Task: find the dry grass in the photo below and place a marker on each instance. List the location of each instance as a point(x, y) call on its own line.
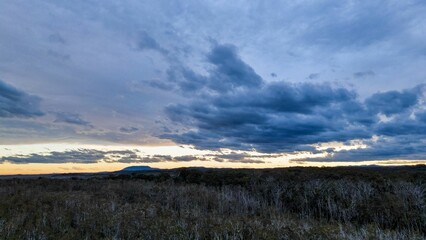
point(242, 205)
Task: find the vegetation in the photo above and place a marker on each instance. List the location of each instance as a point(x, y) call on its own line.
point(290, 203)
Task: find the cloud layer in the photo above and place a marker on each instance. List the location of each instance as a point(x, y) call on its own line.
point(273, 77)
point(251, 113)
point(88, 156)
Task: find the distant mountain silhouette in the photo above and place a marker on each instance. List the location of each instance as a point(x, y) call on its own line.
point(139, 168)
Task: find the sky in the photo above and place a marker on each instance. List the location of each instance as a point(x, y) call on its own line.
point(98, 85)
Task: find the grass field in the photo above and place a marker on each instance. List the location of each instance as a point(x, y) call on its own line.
point(289, 203)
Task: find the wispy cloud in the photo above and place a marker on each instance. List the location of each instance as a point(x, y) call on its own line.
point(71, 118)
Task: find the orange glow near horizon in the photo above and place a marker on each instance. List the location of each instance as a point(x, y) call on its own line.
point(52, 168)
point(283, 160)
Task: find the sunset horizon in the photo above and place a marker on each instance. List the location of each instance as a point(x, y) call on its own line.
point(212, 119)
point(94, 86)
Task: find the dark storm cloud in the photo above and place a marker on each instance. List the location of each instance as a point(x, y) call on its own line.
point(400, 148)
point(228, 73)
point(402, 126)
point(421, 116)
point(16, 103)
point(393, 102)
point(268, 117)
point(183, 79)
point(289, 97)
point(286, 117)
point(71, 118)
